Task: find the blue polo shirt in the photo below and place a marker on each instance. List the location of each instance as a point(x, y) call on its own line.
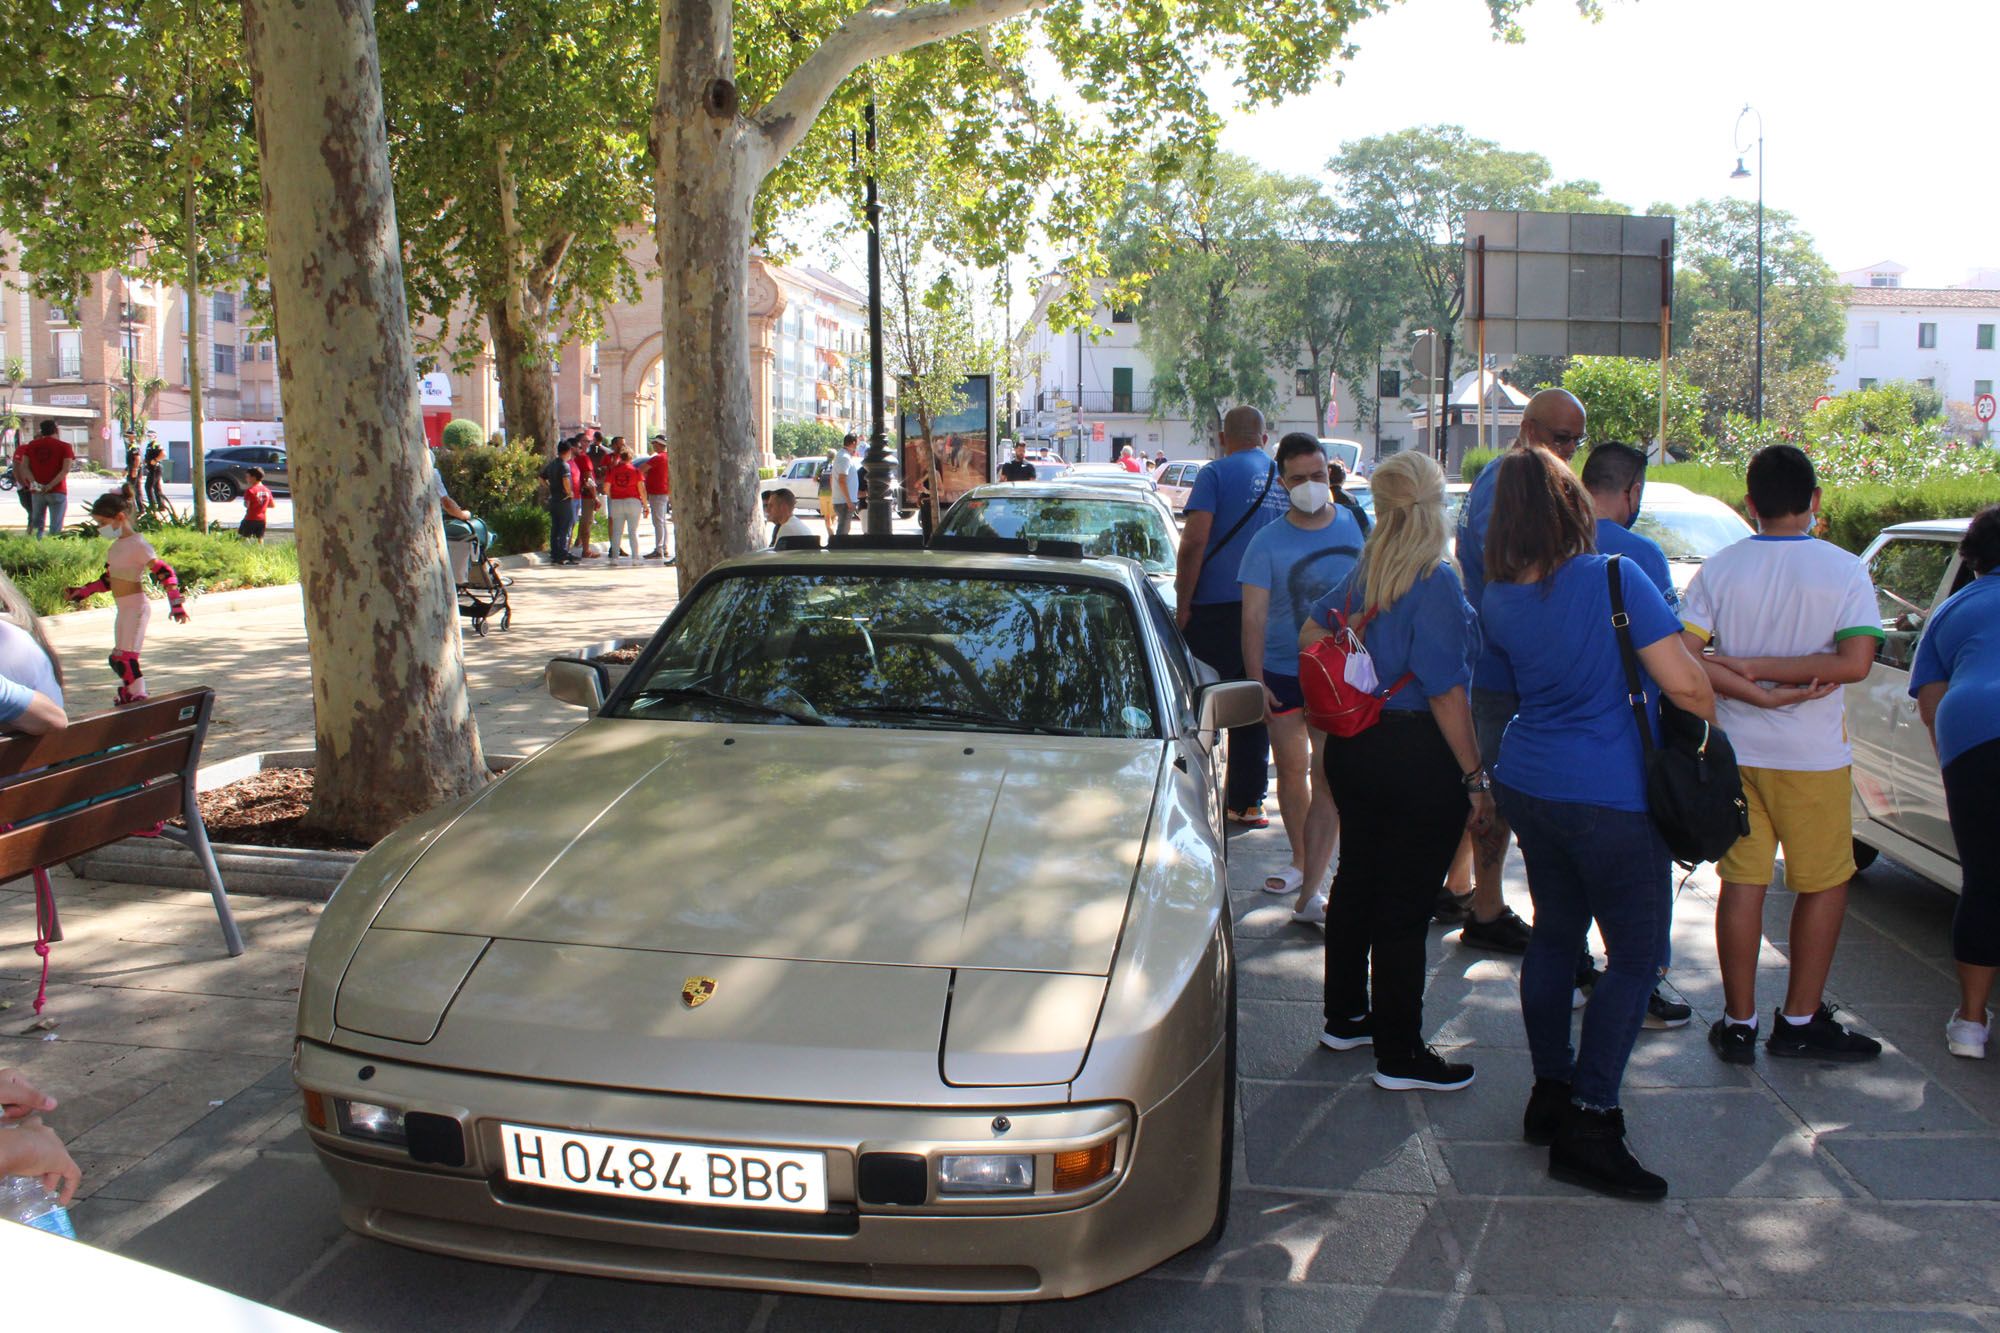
point(1430, 632)
point(1490, 672)
point(1961, 646)
point(1298, 566)
point(1228, 489)
point(1642, 551)
point(1574, 738)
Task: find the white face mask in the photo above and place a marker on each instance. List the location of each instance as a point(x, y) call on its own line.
point(107, 531)
point(1309, 497)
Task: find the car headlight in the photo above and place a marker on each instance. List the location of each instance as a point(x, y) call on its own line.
point(367, 1120)
point(986, 1173)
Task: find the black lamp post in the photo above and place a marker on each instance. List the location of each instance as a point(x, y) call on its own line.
point(1743, 173)
point(876, 465)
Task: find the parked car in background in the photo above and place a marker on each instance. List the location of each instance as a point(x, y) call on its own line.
point(1347, 453)
point(1690, 527)
point(592, 1018)
point(804, 477)
point(1898, 788)
point(1103, 520)
point(1175, 479)
point(1108, 474)
point(226, 471)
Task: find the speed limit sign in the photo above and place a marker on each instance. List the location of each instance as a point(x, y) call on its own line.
point(1983, 409)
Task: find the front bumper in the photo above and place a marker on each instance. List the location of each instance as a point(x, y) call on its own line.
point(1161, 1198)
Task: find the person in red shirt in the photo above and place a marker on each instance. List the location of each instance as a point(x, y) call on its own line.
point(625, 487)
point(659, 492)
point(1127, 461)
point(41, 469)
point(587, 493)
point(257, 500)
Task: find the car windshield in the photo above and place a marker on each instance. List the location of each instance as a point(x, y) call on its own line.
point(1690, 533)
point(900, 649)
point(1103, 527)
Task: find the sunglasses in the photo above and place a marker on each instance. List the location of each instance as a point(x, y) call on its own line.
point(1568, 439)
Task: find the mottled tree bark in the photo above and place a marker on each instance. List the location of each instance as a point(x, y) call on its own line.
point(527, 380)
point(391, 714)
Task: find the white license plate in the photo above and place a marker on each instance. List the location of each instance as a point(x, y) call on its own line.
point(664, 1172)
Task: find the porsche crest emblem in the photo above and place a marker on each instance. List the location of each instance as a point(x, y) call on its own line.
point(696, 990)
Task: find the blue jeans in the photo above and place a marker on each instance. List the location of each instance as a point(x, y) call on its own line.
point(1589, 861)
point(562, 517)
point(45, 510)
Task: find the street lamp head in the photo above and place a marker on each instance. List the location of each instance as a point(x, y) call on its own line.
point(1742, 173)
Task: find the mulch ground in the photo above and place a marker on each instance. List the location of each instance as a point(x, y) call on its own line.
point(268, 810)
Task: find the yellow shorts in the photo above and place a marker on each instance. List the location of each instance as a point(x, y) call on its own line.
point(1809, 815)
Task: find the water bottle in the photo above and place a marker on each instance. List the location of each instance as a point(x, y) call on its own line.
point(24, 1199)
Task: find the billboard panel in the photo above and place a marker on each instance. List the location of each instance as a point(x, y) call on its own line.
point(1568, 284)
point(961, 444)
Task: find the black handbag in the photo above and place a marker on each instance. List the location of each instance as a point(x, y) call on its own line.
point(1693, 789)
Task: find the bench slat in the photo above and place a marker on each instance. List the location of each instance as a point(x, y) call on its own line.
point(43, 792)
point(58, 839)
point(101, 731)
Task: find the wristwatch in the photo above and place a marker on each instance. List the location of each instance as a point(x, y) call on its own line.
point(1477, 781)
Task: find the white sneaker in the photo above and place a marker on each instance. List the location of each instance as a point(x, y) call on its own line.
point(1313, 913)
point(1965, 1038)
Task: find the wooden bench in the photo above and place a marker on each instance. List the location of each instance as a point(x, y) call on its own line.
point(102, 778)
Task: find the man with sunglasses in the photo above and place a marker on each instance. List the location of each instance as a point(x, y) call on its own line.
point(1553, 419)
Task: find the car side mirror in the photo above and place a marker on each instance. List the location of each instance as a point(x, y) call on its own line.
point(1231, 703)
point(571, 680)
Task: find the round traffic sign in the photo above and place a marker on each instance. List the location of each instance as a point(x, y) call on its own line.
point(1822, 401)
point(1983, 409)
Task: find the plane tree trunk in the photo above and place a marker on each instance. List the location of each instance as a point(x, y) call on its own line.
point(391, 714)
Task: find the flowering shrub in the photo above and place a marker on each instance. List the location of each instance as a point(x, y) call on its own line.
point(1844, 453)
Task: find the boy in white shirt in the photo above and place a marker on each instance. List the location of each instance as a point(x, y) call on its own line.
point(1790, 620)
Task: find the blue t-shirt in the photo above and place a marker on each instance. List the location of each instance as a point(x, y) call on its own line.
point(1573, 738)
point(1642, 551)
point(1430, 632)
point(24, 670)
point(1962, 645)
point(1227, 488)
point(1299, 567)
point(1490, 672)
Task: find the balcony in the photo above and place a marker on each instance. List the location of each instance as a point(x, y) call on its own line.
point(1103, 402)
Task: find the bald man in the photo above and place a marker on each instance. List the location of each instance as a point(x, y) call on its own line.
point(1555, 420)
point(1232, 499)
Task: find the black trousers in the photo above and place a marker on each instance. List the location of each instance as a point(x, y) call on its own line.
point(1969, 784)
point(1215, 634)
point(562, 517)
point(1402, 811)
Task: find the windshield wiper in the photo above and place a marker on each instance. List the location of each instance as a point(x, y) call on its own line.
point(972, 716)
point(717, 696)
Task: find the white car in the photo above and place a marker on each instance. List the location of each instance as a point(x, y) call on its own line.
point(1175, 479)
point(1689, 526)
point(1898, 788)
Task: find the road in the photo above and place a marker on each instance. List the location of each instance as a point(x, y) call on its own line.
point(87, 486)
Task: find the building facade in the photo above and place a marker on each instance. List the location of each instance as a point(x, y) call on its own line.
point(1089, 391)
point(1947, 338)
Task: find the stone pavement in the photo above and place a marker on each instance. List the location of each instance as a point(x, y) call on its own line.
point(1803, 1197)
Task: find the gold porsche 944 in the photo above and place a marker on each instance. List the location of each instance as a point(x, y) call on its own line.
point(871, 938)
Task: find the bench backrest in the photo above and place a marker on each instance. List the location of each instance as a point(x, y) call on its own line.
point(101, 778)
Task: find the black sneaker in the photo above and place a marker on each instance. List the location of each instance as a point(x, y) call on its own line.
point(1426, 1071)
point(1346, 1034)
point(1506, 933)
point(1589, 1151)
point(1821, 1038)
point(1543, 1117)
point(1662, 1013)
point(1736, 1043)
point(1451, 909)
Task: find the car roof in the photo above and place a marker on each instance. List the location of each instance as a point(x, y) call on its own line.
point(933, 561)
point(1931, 527)
point(1057, 489)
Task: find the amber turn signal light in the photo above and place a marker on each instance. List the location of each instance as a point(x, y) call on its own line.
point(315, 1110)
point(1086, 1166)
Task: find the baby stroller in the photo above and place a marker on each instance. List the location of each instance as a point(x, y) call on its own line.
point(482, 589)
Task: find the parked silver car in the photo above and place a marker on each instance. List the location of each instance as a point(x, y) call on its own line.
point(1898, 788)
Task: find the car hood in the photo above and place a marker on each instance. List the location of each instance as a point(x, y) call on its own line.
point(837, 845)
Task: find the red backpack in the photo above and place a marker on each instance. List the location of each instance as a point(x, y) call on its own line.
point(1334, 703)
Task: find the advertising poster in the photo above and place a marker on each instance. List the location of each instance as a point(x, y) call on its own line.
point(961, 444)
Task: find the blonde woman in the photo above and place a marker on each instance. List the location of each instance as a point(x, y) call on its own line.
point(31, 681)
point(1409, 786)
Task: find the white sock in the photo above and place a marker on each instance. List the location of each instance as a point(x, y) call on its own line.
point(1750, 1022)
point(1796, 1022)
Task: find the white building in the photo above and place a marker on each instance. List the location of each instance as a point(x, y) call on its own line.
point(1945, 337)
point(1096, 395)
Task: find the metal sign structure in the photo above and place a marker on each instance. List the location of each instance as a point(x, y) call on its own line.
point(1571, 284)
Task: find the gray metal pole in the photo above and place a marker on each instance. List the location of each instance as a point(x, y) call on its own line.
point(1760, 271)
point(877, 467)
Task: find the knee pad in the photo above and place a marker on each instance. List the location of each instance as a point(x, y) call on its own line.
point(125, 666)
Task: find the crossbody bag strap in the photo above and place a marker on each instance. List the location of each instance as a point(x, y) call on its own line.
point(1635, 689)
point(1255, 505)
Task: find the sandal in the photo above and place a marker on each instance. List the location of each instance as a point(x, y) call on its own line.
point(1249, 817)
point(1289, 880)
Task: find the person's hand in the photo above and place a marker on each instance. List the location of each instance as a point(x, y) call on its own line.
point(1479, 820)
point(1784, 696)
point(1182, 614)
point(1270, 701)
point(76, 594)
point(179, 615)
point(31, 1148)
point(19, 1097)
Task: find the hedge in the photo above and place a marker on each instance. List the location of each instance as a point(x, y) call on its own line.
point(460, 433)
point(1852, 514)
point(486, 480)
point(205, 562)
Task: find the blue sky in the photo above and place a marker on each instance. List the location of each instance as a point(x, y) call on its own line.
point(1879, 119)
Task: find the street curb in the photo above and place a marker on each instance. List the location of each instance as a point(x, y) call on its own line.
point(218, 603)
point(520, 560)
point(276, 872)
